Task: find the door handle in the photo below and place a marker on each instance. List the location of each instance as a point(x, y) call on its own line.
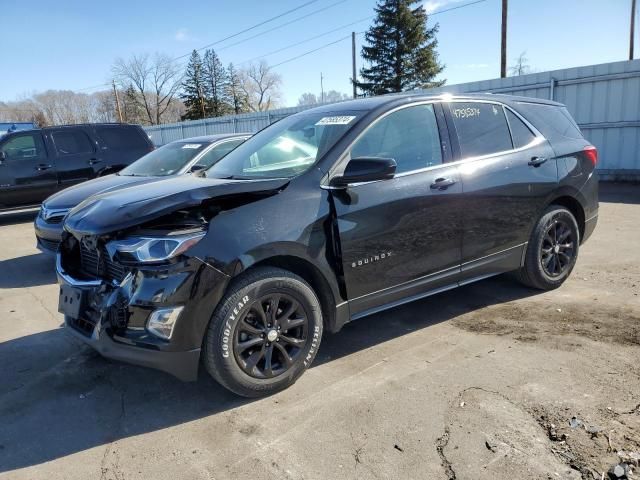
point(43, 167)
point(93, 161)
point(537, 161)
point(442, 183)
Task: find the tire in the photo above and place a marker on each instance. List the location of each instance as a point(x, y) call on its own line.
point(552, 250)
point(242, 332)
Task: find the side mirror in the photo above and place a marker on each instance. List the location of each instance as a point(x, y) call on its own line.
point(197, 168)
point(366, 169)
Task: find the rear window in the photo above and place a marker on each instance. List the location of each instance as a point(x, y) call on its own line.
point(119, 138)
point(520, 133)
point(72, 142)
point(481, 127)
point(552, 121)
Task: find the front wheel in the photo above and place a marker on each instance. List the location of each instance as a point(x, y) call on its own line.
point(552, 250)
point(264, 334)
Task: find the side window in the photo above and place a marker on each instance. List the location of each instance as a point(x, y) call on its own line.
point(71, 142)
point(27, 146)
point(409, 136)
point(481, 128)
point(217, 152)
point(122, 138)
point(520, 133)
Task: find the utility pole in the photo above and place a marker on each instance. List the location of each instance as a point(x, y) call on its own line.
point(353, 64)
point(115, 92)
point(632, 29)
point(321, 89)
point(503, 46)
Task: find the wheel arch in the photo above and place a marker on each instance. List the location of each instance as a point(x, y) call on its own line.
point(572, 204)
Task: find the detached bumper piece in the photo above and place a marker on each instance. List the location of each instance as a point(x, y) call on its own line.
point(109, 307)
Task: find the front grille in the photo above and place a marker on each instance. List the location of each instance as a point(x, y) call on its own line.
point(96, 263)
point(54, 220)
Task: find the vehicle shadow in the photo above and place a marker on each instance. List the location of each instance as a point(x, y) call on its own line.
point(27, 271)
point(61, 398)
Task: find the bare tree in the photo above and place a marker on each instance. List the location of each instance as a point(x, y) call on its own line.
point(234, 91)
point(331, 96)
point(156, 80)
point(307, 98)
point(521, 66)
point(261, 86)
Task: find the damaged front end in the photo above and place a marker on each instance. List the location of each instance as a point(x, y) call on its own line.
point(148, 312)
point(131, 283)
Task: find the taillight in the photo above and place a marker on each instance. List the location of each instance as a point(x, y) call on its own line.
point(591, 153)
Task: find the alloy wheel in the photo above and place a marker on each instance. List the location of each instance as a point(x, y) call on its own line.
point(271, 336)
point(558, 248)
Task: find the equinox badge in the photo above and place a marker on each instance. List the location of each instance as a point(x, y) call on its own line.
point(371, 259)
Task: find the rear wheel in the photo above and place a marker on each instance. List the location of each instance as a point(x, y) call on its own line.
point(552, 250)
point(264, 334)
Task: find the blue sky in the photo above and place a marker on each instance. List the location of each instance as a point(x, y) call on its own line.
point(71, 44)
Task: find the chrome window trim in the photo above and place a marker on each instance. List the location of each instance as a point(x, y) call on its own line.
point(539, 138)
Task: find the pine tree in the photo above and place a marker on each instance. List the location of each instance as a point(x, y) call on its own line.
point(217, 79)
point(132, 109)
point(193, 89)
point(400, 50)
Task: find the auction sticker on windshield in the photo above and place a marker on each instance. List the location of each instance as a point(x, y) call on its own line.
point(192, 145)
point(340, 120)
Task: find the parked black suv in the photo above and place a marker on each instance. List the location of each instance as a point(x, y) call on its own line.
point(176, 158)
point(327, 216)
point(36, 163)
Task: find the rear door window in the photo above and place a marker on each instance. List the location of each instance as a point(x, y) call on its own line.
point(409, 136)
point(72, 142)
point(520, 133)
point(122, 139)
point(481, 128)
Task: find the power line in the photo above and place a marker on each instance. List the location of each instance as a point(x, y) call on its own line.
point(250, 28)
point(343, 38)
point(283, 25)
point(311, 51)
point(456, 8)
point(306, 40)
point(293, 44)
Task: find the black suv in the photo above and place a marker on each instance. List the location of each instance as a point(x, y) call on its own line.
point(36, 163)
point(325, 217)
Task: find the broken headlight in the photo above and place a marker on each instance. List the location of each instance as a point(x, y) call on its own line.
point(154, 249)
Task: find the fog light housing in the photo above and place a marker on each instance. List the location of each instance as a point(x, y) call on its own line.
point(162, 321)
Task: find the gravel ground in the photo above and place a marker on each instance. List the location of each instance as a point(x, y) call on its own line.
point(477, 383)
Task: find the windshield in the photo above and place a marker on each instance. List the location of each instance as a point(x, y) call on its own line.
point(166, 160)
point(287, 148)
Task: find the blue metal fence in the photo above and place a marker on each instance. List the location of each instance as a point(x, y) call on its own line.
point(604, 99)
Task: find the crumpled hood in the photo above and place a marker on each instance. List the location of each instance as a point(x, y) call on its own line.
point(138, 204)
point(72, 196)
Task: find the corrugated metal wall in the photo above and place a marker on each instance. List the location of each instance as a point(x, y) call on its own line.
point(604, 99)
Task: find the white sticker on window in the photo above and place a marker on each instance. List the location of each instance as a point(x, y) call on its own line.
point(340, 120)
point(192, 145)
point(468, 112)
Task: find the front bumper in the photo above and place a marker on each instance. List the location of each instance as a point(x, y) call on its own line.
point(113, 317)
point(48, 235)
